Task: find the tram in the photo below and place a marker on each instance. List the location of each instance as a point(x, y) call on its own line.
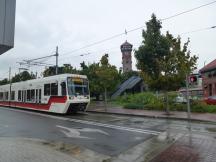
point(65, 93)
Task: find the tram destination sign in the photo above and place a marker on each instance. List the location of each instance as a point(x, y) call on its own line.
point(7, 24)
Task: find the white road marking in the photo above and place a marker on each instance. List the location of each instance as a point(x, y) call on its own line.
point(143, 131)
point(94, 130)
point(71, 133)
point(116, 127)
point(75, 133)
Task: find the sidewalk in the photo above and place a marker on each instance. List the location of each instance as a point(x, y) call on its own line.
point(100, 108)
point(30, 150)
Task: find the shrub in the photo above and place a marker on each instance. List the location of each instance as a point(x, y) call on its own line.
point(146, 100)
point(211, 108)
point(149, 101)
point(178, 107)
point(141, 98)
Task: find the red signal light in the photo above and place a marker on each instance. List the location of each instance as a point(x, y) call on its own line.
point(193, 79)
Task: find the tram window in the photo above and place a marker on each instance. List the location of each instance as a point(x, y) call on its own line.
point(6, 95)
point(54, 89)
point(32, 95)
point(12, 97)
point(28, 95)
point(19, 96)
point(46, 89)
point(1, 95)
point(63, 88)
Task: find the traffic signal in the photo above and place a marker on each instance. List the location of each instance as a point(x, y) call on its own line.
point(193, 79)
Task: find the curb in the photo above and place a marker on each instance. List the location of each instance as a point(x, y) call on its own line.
point(151, 116)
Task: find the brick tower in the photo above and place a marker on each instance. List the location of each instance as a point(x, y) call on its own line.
point(126, 49)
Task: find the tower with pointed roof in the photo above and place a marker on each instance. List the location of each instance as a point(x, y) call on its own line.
point(126, 49)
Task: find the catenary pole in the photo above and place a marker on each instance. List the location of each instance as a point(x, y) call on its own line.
point(57, 54)
point(9, 95)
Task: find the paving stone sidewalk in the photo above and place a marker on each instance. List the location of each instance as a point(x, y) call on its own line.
point(190, 148)
point(22, 150)
point(99, 107)
point(37, 150)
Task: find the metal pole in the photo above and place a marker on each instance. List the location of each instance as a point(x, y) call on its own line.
point(9, 95)
point(57, 60)
point(105, 99)
point(188, 99)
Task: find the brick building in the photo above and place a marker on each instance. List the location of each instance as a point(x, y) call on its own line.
point(126, 49)
point(208, 73)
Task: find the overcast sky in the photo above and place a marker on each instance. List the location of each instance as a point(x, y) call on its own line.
point(41, 25)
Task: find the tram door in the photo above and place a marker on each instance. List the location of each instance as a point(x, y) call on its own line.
point(38, 95)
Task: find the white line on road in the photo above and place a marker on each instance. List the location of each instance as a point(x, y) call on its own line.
point(75, 132)
point(136, 130)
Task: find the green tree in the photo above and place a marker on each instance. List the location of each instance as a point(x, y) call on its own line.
point(4, 81)
point(108, 75)
point(50, 71)
point(162, 60)
point(91, 72)
point(23, 76)
point(102, 76)
point(66, 68)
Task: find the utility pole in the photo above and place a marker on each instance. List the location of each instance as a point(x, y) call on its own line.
point(9, 74)
point(9, 95)
point(188, 99)
point(57, 54)
point(105, 99)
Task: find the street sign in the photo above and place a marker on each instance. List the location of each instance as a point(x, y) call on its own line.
point(7, 24)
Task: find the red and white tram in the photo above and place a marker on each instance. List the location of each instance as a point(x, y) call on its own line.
point(65, 93)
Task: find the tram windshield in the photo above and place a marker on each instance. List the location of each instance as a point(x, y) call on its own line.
point(77, 86)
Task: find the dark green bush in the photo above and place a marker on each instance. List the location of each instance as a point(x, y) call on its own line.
point(178, 107)
point(211, 108)
point(140, 98)
point(200, 106)
point(149, 101)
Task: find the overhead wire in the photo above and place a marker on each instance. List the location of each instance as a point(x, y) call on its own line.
point(199, 30)
point(132, 30)
point(137, 28)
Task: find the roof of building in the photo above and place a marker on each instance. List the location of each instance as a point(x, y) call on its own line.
point(128, 84)
point(208, 67)
point(126, 44)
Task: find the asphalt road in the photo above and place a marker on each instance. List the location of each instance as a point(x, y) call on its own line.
point(125, 138)
point(108, 139)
